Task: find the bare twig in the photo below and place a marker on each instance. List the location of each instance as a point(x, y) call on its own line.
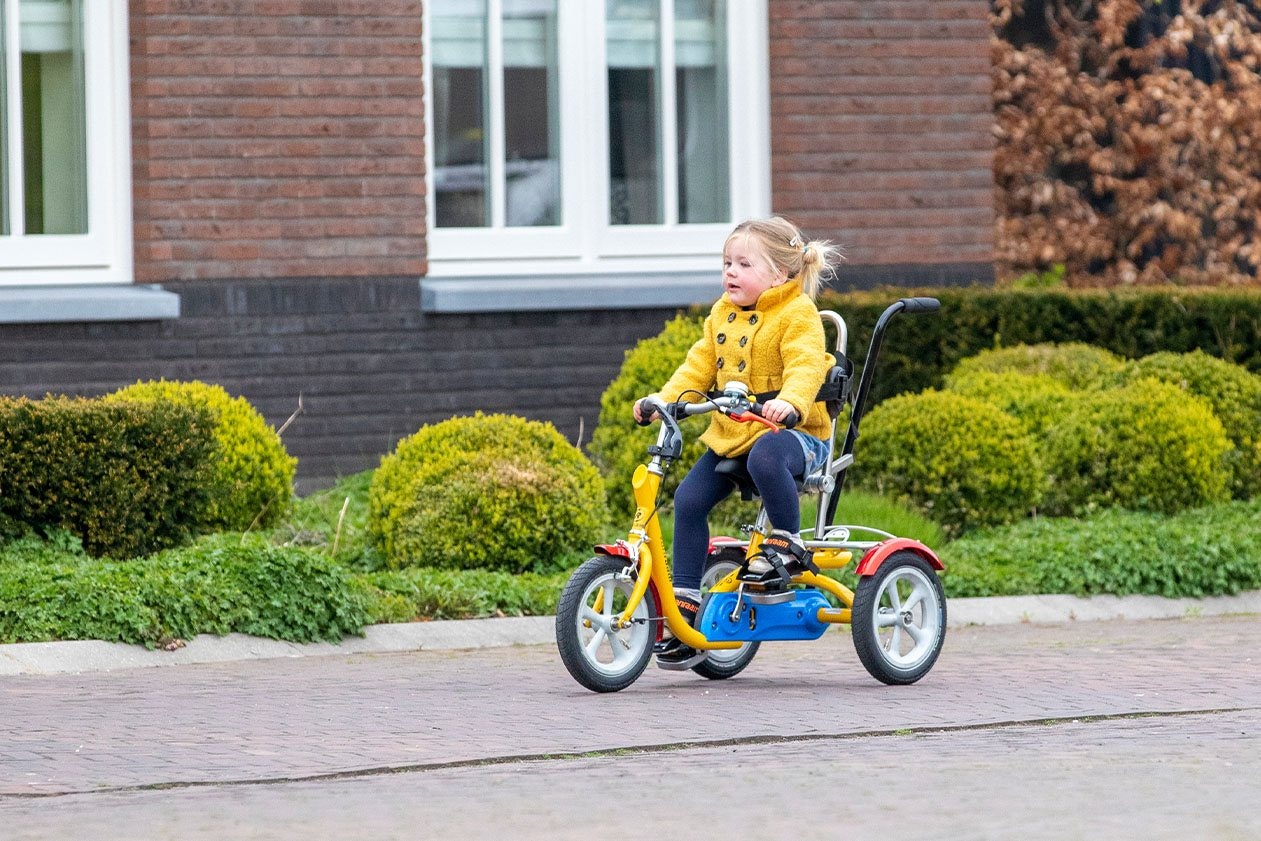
point(292, 417)
point(341, 518)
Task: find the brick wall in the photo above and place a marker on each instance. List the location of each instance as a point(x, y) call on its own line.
point(277, 138)
point(369, 365)
point(881, 131)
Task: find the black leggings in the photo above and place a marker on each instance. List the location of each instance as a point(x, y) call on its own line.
point(774, 462)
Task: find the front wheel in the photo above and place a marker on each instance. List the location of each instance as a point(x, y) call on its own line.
point(899, 619)
point(599, 655)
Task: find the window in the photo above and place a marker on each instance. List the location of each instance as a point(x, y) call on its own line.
point(579, 136)
point(64, 171)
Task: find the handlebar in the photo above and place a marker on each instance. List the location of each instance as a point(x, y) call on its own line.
point(737, 407)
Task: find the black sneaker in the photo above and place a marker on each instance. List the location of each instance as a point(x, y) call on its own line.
point(672, 650)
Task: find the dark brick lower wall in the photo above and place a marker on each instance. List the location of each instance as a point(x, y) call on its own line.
point(370, 367)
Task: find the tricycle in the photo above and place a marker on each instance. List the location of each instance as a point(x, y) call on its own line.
point(617, 605)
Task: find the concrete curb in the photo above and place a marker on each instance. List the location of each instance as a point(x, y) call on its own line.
point(47, 658)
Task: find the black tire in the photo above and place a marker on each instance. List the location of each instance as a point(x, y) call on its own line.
point(599, 658)
point(903, 602)
point(723, 663)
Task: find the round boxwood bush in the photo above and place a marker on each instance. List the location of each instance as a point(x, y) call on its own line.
point(1036, 400)
point(1148, 446)
point(1077, 365)
point(487, 491)
point(252, 482)
point(961, 461)
point(1233, 392)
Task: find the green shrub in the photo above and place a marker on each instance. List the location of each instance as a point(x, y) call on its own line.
point(961, 462)
point(1148, 446)
point(222, 584)
point(1078, 366)
point(491, 491)
point(1235, 396)
point(1208, 551)
point(127, 478)
point(253, 474)
point(1036, 400)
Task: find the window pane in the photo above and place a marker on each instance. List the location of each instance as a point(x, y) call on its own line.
point(461, 174)
point(701, 83)
point(634, 150)
point(531, 127)
point(54, 157)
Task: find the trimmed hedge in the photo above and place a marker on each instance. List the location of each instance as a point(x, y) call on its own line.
point(493, 491)
point(1235, 397)
point(1148, 446)
point(920, 350)
point(127, 478)
point(222, 584)
point(1075, 365)
point(1210, 551)
point(252, 483)
point(960, 461)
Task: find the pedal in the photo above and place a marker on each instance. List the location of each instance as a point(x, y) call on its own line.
point(684, 665)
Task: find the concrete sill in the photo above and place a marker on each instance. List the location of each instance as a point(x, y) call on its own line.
point(568, 292)
point(49, 304)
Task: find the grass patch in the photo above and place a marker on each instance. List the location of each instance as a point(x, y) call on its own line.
point(1209, 551)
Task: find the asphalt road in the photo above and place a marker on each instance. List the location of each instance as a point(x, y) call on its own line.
point(1148, 729)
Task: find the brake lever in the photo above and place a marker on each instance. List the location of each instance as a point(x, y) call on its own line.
point(747, 416)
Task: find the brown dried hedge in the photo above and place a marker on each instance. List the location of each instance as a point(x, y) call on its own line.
point(1128, 140)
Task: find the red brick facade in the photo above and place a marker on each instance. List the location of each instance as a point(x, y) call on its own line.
point(881, 126)
point(277, 138)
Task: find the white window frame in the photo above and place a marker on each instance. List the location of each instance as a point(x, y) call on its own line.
point(585, 242)
point(104, 253)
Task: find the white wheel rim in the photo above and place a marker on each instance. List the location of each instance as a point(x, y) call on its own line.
point(907, 618)
point(606, 648)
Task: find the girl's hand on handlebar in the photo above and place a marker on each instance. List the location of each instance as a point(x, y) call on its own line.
point(640, 417)
point(780, 411)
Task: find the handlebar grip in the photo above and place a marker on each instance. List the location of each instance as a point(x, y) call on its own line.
point(647, 416)
point(792, 420)
point(914, 305)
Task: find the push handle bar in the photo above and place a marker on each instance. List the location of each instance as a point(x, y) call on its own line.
point(914, 305)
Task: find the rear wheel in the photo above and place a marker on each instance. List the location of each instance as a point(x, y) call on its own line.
point(600, 655)
point(899, 619)
point(726, 662)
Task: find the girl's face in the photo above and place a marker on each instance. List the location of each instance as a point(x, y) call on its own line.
point(746, 272)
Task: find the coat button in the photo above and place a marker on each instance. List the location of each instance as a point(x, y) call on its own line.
point(752, 318)
point(720, 362)
point(720, 338)
point(731, 317)
point(744, 340)
point(740, 367)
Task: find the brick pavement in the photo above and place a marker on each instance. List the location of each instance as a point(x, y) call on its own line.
point(295, 719)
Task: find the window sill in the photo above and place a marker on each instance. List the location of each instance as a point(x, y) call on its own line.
point(573, 292)
point(49, 304)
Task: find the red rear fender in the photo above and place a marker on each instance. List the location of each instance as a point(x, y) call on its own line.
point(877, 554)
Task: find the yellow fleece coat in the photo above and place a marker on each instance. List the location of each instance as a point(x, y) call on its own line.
point(777, 344)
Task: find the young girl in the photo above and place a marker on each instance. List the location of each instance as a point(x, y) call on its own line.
point(765, 332)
